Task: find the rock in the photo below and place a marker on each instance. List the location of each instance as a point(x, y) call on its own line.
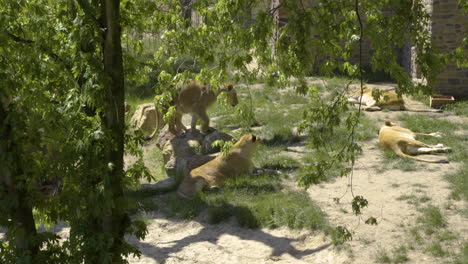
point(187, 151)
point(180, 147)
point(165, 185)
point(181, 166)
point(164, 136)
point(185, 145)
point(207, 148)
point(127, 107)
point(147, 119)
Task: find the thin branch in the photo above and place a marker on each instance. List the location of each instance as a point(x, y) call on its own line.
point(50, 53)
point(18, 39)
point(273, 10)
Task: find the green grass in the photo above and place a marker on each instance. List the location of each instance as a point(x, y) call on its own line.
point(458, 179)
point(399, 255)
point(462, 256)
point(393, 161)
point(459, 182)
point(431, 219)
point(423, 124)
point(383, 257)
point(413, 199)
point(254, 201)
point(432, 236)
point(436, 249)
point(459, 108)
point(425, 99)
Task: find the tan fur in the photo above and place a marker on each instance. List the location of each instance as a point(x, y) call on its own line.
point(387, 100)
point(215, 172)
point(403, 142)
point(195, 98)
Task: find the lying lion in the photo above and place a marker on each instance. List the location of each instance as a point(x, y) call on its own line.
point(389, 100)
point(213, 173)
point(403, 142)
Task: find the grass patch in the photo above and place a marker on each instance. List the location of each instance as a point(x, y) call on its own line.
point(431, 236)
point(462, 256)
point(425, 99)
point(458, 108)
point(423, 124)
point(254, 201)
point(383, 257)
point(459, 182)
point(279, 162)
point(431, 219)
point(393, 161)
point(413, 199)
point(399, 255)
point(436, 250)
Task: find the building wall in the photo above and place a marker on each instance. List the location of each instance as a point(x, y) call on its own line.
point(449, 26)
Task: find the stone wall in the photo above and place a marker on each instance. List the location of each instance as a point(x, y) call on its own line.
point(449, 26)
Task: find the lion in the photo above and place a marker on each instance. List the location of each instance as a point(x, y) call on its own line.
point(403, 142)
point(213, 173)
point(387, 100)
point(195, 98)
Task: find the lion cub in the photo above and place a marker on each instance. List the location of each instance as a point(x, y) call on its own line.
point(195, 98)
point(215, 172)
point(403, 142)
point(387, 100)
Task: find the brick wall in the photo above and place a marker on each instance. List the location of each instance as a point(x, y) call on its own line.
point(449, 26)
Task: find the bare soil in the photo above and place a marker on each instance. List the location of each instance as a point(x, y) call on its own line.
point(175, 241)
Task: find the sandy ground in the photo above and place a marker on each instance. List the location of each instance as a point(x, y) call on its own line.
point(175, 241)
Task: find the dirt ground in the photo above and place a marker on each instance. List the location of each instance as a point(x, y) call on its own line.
point(174, 241)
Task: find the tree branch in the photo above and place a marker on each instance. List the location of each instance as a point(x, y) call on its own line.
point(51, 54)
point(88, 11)
point(18, 39)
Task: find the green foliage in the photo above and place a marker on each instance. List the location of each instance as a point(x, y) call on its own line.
point(224, 146)
point(340, 235)
point(59, 131)
point(61, 110)
point(358, 203)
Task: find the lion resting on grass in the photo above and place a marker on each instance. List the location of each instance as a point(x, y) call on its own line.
point(403, 142)
point(213, 173)
point(387, 100)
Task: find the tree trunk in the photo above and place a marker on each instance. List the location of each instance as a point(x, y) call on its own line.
point(25, 233)
point(116, 223)
point(186, 6)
